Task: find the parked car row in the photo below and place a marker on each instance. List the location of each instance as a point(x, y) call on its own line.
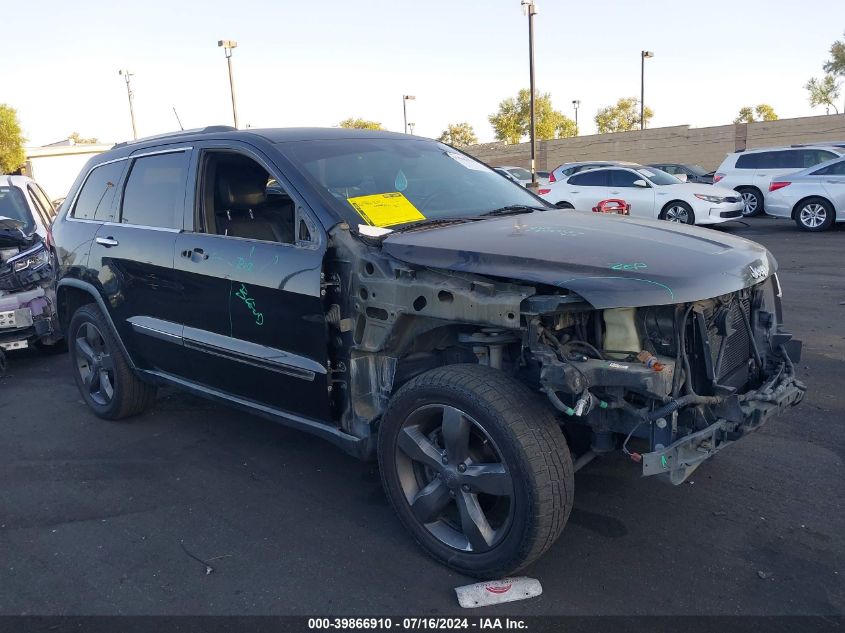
point(805, 183)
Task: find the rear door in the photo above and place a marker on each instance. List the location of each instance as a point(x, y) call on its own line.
point(832, 179)
point(249, 270)
point(641, 199)
point(585, 189)
point(132, 255)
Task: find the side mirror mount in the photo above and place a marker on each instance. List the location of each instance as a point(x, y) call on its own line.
point(640, 183)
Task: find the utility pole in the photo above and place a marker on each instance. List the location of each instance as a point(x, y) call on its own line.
point(575, 104)
point(644, 55)
point(228, 47)
point(127, 75)
point(405, 100)
point(530, 8)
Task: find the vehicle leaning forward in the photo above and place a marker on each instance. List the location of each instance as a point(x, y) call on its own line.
point(402, 300)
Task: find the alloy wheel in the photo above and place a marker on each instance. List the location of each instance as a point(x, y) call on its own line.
point(454, 479)
point(813, 215)
point(677, 213)
point(749, 202)
point(94, 363)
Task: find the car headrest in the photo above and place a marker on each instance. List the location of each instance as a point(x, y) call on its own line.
point(241, 186)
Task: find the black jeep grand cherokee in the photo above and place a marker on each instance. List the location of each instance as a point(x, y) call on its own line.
point(400, 299)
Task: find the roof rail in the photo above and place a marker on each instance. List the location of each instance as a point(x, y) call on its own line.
point(198, 130)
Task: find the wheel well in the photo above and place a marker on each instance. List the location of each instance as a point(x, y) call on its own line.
point(806, 198)
point(671, 202)
point(69, 300)
point(742, 188)
point(563, 204)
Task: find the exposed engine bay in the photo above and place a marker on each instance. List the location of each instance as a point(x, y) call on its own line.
point(27, 291)
point(683, 380)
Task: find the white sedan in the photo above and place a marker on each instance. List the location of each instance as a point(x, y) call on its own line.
point(650, 192)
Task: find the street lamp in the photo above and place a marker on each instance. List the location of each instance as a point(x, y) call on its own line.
point(228, 46)
point(405, 100)
point(644, 55)
point(127, 75)
point(575, 104)
point(529, 8)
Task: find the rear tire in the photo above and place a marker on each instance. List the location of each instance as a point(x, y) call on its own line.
point(752, 201)
point(814, 215)
point(106, 382)
point(440, 432)
point(564, 205)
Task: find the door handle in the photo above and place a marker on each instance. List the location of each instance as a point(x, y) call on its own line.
point(108, 242)
point(615, 193)
point(195, 254)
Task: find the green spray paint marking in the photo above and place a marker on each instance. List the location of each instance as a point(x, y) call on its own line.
point(634, 266)
point(663, 461)
point(243, 294)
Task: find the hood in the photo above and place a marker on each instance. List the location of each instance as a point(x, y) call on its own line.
point(11, 234)
point(611, 261)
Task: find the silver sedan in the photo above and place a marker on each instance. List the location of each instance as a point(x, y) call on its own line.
point(814, 197)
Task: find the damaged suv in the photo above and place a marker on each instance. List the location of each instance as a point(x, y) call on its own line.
point(27, 276)
point(402, 300)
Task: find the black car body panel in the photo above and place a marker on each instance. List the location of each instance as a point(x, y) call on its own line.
point(612, 262)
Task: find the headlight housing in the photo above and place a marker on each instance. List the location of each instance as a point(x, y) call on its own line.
point(706, 198)
point(31, 260)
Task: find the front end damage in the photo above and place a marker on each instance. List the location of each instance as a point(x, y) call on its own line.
point(27, 294)
point(669, 385)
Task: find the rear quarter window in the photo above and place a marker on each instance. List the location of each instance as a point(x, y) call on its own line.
point(748, 161)
point(94, 201)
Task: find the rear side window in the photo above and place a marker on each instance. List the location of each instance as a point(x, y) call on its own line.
point(836, 169)
point(593, 178)
point(623, 178)
point(94, 201)
point(155, 191)
point(748, 161)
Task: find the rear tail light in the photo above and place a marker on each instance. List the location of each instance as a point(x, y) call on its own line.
point(552, 177)
point(543, 192)
point(778, 185)
point(717, 177)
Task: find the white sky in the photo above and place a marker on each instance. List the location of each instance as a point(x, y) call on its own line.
point(319, 61)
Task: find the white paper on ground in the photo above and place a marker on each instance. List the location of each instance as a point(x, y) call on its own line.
point(483, 594)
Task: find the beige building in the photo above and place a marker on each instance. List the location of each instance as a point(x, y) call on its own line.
point(57, 165)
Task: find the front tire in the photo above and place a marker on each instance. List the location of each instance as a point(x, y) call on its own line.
point(679, 212)
point(752, 201)
point(564, 205)
point(477, 469)
point(814, 215)
point(106, 382)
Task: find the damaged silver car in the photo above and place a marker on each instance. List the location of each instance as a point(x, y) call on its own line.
point(27, 275)
point(402, 300)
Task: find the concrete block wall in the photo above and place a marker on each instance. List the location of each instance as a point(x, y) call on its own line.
point(706, 146)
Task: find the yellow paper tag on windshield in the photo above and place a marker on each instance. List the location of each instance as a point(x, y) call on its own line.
point(386, 209)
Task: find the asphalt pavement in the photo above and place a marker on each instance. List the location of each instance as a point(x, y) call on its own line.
point(110, 518)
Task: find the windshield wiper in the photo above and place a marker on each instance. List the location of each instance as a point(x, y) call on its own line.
point(427, 223)
point(512, 209)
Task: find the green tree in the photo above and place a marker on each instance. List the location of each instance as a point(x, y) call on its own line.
point(12, 156)
point(823, 91)
point(360, 124)
point(761, 112)
point(79, 140)
point(458, 135)
point(513, 120)
point(622, 117)
point(836, 64)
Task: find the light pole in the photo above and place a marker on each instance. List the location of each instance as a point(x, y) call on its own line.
point(575, 104)
point(228, 46)
point(644, 55)
point(405, 100)
point(529, 8)
point(127, 75)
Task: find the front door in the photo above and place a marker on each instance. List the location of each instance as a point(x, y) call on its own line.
point(640, 198)
point(249, 274)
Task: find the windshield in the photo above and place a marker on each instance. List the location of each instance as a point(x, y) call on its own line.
point(658, 177)
point(394, 182)
point(13, 206)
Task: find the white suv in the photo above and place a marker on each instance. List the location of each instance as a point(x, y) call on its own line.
point(752, 171)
